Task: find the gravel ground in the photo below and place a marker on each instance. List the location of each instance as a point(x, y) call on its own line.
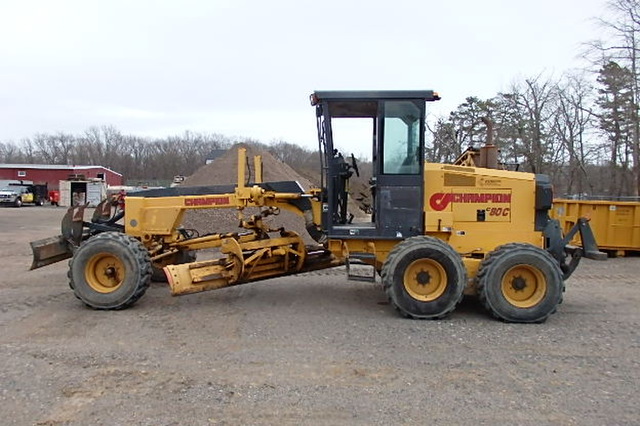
point(311, 349)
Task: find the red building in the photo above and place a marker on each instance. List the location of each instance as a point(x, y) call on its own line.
point(53, 174)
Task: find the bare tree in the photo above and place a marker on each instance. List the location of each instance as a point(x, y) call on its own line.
point(530, 105)
point(571, 124)
point(443, 146)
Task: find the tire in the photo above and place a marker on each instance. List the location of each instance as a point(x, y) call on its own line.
point(110, 271)
point(18, 202)
point(158, 275)
point(39, 202)
point(520, 283)
point(424, 278)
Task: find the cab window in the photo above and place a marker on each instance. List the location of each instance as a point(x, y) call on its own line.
point(401, 150)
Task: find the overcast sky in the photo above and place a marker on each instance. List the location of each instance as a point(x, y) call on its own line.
point(246, 68)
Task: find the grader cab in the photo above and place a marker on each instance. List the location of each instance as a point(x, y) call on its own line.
point(434, 233)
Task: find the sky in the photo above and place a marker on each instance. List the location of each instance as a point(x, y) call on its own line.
point(246, 68)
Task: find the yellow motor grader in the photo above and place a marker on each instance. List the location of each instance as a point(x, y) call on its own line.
point(435, 232)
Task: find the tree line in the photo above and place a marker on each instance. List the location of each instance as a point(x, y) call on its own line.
point(144, 159)
point(583, 136)
point(136, 158)
point(582, 128)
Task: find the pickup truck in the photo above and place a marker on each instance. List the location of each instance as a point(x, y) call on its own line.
point(17, 195)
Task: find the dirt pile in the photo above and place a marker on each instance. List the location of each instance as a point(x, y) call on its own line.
point(224, 170)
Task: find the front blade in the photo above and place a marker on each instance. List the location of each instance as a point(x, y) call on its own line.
point(49, 250)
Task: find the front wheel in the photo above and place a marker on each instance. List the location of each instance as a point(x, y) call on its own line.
point(18, 202)
point(424, 278)
point(110, 271)
point(520, 283)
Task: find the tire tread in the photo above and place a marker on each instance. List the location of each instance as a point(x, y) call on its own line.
point(494, 257)
point(396, 254)
point(141, 257)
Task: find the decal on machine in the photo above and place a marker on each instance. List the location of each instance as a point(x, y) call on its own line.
point(498, 211)
point(440, 200)
point(490, 182)
point(206, 201)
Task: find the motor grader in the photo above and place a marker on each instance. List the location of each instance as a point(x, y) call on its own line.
point(435, 232)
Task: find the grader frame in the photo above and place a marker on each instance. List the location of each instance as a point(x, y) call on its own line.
point(437, 231)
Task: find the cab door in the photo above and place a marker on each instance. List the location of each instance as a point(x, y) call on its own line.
point(27, 195)
point(400, 169)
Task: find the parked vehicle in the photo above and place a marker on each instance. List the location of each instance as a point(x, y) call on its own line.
point(19, 194)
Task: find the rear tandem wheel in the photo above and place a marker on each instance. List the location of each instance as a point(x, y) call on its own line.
point(520, 283)
point(424, 278)
point(110, 271)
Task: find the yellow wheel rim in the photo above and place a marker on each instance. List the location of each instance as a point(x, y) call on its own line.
point(425, 280)
point(104, 273)
point(524, 286)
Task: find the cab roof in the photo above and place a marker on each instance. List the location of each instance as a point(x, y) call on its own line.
point(342, 95)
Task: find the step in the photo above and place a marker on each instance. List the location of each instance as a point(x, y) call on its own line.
point(364, 271)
